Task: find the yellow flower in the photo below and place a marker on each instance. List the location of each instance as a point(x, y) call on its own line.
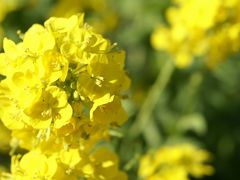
point(11, 114)
point(170, 173)
point(175, 162)
point(70, 157)
point(105, 165)
point(52, 107)
point(107, 110)
point(38, 40)
point(24, 138)
point(210, 32)
point(48, 103)
point(13, 59)
point(33, 165)
point(54, 67)
point(26, 88)
point(96, 81)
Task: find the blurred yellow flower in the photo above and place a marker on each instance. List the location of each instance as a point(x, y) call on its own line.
point(100, 13)
point(199, 28)
point(175, 162)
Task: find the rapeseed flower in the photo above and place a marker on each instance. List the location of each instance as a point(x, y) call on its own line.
point(175, 162)
point(61, 94)
point(33, 165)
point(199, 28)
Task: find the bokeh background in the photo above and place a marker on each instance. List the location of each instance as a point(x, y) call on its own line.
point(167, 103)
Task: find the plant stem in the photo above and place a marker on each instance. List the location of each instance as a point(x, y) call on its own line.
point(155, 92)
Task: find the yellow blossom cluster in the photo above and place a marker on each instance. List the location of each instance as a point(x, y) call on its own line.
point(200, 28)
point(101, 14)
point(61, 94)
point(175, 163)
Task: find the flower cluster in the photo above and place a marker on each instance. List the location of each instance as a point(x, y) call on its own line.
point(101, 15)
point(200, 28)
point(61, 94)
point(5, 7)
point(175, 162)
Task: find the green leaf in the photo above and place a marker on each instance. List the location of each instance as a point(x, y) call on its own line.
point(193, 122)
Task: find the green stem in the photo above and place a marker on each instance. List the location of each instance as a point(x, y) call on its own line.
point(152, 134)
point(155, 92)
point(192, 89)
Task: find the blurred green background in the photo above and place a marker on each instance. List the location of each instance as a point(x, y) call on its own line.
point(194, 105)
